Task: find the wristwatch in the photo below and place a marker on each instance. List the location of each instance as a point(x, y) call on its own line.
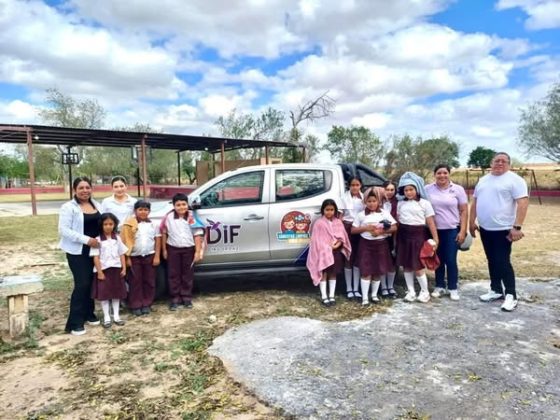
point(517, 227)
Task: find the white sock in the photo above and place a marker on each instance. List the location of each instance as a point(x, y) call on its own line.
point(409, 278)
point(375, 286)
point(332, 288)
point(383, 283)
point(323, 289)
point(356, 277)
point(106, 314)
point(348, 278)
point(391, 280)
point(116, 305)
point(423, 282)
point(365, 288)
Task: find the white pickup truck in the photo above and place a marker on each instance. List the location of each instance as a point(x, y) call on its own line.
point(257, 219)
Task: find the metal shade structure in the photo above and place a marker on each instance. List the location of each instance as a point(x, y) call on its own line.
point(49, 135)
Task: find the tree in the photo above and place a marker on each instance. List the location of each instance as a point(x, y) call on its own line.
point(268, 126)
point(354, 144)
point(420, 156)
point(481, 157)
point(65, 111)
point(13, 167)
point(539, 129)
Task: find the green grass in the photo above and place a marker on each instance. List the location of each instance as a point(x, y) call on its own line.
point(27, 230)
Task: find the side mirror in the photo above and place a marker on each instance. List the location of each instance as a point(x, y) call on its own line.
point(194, 202)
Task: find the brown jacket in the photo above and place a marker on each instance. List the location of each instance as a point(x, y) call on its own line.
point(128, 233)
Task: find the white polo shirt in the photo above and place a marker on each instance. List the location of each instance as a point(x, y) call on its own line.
point(180, 234)
point(373, 218)
point(109, 252)
point(123, 210)
point(145, 239)
point(414, 213)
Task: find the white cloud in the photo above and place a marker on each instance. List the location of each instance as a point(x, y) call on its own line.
point(17, 112)
point(543, 14)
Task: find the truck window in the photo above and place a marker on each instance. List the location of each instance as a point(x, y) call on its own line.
point(236, 190)
point(292, 184)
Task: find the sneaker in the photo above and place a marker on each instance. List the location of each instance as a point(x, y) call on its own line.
point(491, 296)
point(145, 310)
point(188, 304)
point(137, 312)
point(453, 294)
point(173, 306)
point(438, 292)
point(424, 297)
point(509, 303)
point(410, 297)
point(78, 331)
point(119, 322)
point(93, 321)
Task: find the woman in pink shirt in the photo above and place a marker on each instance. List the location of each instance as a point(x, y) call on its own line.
point(449, 201)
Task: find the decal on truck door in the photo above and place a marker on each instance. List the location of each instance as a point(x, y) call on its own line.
point(294, 227)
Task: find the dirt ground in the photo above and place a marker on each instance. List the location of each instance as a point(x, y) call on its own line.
point(157, 366)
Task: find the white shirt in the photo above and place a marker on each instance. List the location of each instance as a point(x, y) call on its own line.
point(109, 252)
point(496, 197)
point(145, 239)
point(352, 206)
point(122, 210)
point(71, 227)
point(179, 232)
point(414, 213)
point(374, 218)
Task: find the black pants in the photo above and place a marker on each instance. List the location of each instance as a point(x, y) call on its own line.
point(81, 304)
point(498, 252)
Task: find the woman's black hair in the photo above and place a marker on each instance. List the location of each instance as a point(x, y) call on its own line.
point(118, 178)
point(142, 204)
point(401, 192)
point(79, 179)
point(355, 178)
point(105, 216)
point(442, 165)
point(329, 202)
point(180, 197)
point(389, 182)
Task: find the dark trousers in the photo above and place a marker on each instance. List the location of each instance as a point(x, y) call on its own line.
point(82, 306)
point(180, 273)
point(141, 282)
point(447, 253)
point(498, 252)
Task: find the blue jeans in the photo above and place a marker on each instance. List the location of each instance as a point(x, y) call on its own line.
point(447, 253)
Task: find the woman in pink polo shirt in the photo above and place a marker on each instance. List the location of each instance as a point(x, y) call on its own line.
point(449, 201)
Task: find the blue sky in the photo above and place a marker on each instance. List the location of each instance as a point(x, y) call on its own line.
point(437, 67)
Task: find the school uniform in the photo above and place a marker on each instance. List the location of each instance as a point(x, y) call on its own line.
point(412, 232)
point(140, 237)
point(374, 256)
point(352, 206)
point(109, 253)
point(122, 210)
point(180, 255)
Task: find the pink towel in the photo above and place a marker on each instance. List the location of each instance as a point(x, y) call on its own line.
point(323, 234)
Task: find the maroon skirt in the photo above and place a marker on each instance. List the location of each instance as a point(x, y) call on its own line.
point(374, 257)
point(354, 242)
point(409, 242)
point(112, 287)
point(338, 265)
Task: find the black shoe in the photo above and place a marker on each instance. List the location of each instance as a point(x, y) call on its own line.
point(188, 304)
point(332, 301)
point(120, 322)
point(145, 310)
point(93, 320)
point(173, 307)
point(137, 312)
point(78, 331)
point(107, 324)
point(326, 302)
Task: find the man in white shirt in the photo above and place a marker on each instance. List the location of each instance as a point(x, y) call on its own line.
point(500, 204)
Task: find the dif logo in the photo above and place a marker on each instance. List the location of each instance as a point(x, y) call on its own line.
point(216, 232)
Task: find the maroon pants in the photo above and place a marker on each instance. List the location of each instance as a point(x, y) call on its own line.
point(180, 273)
point(141, 282)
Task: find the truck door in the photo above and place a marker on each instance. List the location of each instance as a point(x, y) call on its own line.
point(295, 204)
point(235, 213)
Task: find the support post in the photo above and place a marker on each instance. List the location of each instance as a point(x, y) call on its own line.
point(144, 169)
point(68, 149)
point(223, 156)
point(18, 314)
point(468, 191)
point(536, 185)
point(179, 168)
point(29, 133)
point(266, 155)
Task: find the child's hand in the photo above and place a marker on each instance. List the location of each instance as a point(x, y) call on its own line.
point(156, 261)
point(123, 272)
point(336, 244)
point(93, 243)
point(198, 256)
point(100, 275)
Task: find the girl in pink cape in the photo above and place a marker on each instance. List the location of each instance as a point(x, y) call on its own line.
point(329, 249)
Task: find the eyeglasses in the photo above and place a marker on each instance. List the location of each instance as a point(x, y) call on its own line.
point(501, 161)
